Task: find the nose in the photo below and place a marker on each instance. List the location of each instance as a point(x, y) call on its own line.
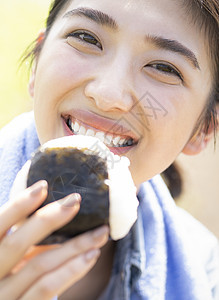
point(111, 88)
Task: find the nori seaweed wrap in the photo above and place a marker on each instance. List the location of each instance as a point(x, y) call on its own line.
point(84, 165)
point(69, 170)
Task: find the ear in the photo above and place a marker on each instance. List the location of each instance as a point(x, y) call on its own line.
point(200, 141)
point(40, 39)
point(41, 36)
point(197, 143)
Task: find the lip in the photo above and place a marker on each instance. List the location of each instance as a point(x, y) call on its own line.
point(114, 150)
point(95, 121)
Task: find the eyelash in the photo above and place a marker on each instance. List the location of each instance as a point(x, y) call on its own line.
point(85, 37)
point(88, 38)
point(166, 69)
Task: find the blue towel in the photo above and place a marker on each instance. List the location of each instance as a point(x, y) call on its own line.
point(18, 140)
point(174, 268)
point(176, 245)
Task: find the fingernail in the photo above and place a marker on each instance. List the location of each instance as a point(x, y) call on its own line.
point(38, 187)
point(90, 255)
point(100, 232)
point(71, 200)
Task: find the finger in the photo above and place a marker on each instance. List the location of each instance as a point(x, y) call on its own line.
point(14, 211)
point(59, 254)
point(37, 227)
point(62, 278)
point(51, 260)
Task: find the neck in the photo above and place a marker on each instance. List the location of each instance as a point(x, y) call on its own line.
point(93, 284)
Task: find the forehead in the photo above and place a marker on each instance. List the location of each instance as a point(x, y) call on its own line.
point(140, 14)
point(137, 19)
point(156, 17)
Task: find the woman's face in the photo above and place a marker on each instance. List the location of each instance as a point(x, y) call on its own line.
point(134, 73)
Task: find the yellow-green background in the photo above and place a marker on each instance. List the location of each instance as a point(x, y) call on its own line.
point(20, 22)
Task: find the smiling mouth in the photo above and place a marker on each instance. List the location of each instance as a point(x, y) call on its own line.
point(111, 140)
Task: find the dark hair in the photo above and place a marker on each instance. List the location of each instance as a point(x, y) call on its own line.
point(33, 51)
point(203, 13)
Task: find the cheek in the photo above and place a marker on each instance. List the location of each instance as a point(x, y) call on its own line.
point(173, 111)
point(60, 71)
point(162, 107)
point(171, 114)
point(58, 75)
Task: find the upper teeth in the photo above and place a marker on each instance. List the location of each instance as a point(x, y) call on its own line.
point(106, 138)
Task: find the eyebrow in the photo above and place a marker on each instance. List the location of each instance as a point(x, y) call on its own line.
point(94, 15)
point(174, 46)
point(160, 42)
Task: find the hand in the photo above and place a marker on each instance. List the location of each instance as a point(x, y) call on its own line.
point(53, 271)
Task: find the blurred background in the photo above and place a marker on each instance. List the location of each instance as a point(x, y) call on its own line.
point(20, 22)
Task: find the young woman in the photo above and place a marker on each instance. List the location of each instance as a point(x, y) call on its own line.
point(143, 76)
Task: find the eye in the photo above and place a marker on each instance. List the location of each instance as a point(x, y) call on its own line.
point(86, 38)
point(166, 69)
